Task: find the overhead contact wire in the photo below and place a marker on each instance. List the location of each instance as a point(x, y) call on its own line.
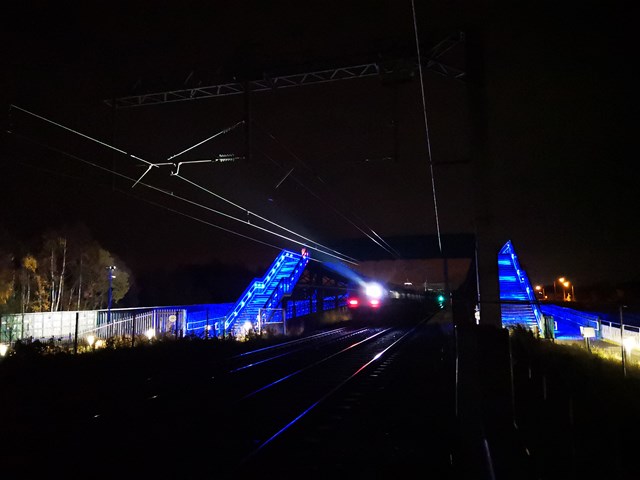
point(387, 248)
point(313, 193)
point(249, 212)
point(315, 245)
point(426, 125)
point(221, 132)
point(75, 157)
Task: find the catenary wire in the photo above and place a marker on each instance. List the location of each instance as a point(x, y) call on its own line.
point(151, 165)
point(388, 248)
point(137, 197)
point(426, 125)
point(221, 132)
point(249, 212)
point(314, 194)
point(336, 255)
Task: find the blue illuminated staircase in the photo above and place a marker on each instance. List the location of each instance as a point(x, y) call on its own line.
point(519, 305)
point(266, 292)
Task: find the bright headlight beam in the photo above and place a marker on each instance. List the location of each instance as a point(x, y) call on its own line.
point(373, 290)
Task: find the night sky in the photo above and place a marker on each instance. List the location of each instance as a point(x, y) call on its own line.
point(557, 124)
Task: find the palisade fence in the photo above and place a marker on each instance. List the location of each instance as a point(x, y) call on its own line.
point(68, 330)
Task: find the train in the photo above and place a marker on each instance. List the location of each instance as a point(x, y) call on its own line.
point(375, 301)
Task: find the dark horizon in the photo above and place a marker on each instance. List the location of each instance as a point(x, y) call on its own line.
point(558, 126)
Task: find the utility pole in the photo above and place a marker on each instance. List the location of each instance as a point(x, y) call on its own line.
point(110, 270)
point(488, 245)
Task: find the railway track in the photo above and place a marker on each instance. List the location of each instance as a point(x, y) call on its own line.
point(364, 400)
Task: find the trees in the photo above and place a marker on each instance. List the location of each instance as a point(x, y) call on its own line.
point(69, 272)
point(7, 277)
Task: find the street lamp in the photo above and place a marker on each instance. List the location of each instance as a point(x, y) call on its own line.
point(540, 290)
point(110, 269)
point(572, 296)
point(564, 283)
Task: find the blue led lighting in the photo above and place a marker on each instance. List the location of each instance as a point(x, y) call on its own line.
point(283, 273)
point(519, 305)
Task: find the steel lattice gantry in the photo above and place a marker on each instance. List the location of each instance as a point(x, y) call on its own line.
point(431, 63)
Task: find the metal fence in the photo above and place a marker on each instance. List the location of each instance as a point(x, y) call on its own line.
point(70, 329)
point(78, 330)
point(629, 335)
point(615, 332)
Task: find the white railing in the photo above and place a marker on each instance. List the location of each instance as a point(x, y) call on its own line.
point(612, 332)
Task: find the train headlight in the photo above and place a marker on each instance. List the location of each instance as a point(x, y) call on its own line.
point(373, 290)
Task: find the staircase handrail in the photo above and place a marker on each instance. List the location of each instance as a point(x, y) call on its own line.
point(256, 284)
point(284, 285)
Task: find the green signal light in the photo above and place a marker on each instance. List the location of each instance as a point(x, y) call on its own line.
point(441, 298)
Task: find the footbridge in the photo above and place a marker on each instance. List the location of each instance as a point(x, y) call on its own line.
point(293, 286)
point(520, 306)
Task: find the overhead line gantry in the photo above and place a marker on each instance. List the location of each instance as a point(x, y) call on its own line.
point(431, 63)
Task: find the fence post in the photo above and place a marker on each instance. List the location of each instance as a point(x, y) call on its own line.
point(133, 330)
point(624, 367)
point(75, 336)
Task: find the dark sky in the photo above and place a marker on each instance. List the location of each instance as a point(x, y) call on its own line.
point(556, 122)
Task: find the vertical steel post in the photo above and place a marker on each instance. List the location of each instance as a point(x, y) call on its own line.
point(624, 367)
point(75, 336)
point(133, 330)
point(110, 270)
point(284, 322)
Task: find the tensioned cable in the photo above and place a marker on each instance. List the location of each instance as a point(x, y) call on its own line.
point(151, 202)
point(168, 162)
point(221, 132)
point(339, 255)
point(172, 195)
point(426, 125)
point(151, 164)
point(249, 212)
point(81, 134)
point(388, 248)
